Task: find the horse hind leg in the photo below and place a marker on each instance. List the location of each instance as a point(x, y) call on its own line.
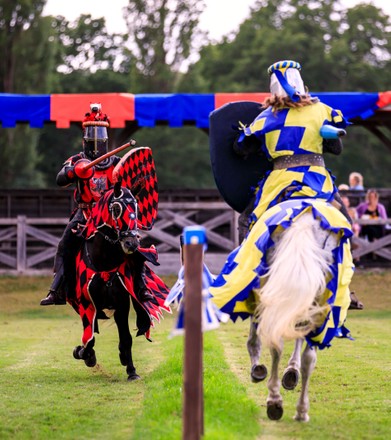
point(291, 375)
point(274, 399)
point(258, 371)
point(308, 361)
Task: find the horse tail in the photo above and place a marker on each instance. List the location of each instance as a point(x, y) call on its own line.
point(296, 279)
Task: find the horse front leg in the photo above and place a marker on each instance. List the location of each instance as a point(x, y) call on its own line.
point(258, 371)
point(291, 375)
point(308, 362)
point(274, 398)
point(87, 353)
point(121, 316)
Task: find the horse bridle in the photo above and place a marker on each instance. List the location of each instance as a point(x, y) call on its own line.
point(117, 207)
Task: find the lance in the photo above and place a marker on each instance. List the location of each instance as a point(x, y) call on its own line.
point(131, 143)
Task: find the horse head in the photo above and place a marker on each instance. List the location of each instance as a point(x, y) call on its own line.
point(115, 218)
point(123, 211)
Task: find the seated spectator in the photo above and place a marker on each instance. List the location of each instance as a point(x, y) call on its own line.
point(372, 209)
point(356, 181)
point(343, 187)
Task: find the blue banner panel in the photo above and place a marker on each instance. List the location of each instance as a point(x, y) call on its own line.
point(174, 109)
point(33, 109)
point(352, 105)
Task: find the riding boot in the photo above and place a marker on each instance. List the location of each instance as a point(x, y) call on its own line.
point(140, 286)
point(56, 295)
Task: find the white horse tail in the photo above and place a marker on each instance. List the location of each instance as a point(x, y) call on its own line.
point(296, 278)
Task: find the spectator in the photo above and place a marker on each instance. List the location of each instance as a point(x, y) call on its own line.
point(372, 209)
point(343, 187)
point(356, 181)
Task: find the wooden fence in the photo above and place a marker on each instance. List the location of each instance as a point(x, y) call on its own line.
point(31, 224)
point(28, 245)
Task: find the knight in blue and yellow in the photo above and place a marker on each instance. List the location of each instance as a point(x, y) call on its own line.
point(288, 133)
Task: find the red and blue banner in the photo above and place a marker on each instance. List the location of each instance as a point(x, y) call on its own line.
point(149, 110)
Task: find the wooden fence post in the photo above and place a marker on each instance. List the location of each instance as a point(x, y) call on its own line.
point(194, 238)
point(21, 248)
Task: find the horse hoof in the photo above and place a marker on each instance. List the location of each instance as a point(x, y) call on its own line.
point(76, 352)
point(90, 360)
point(301, 417)
point(274, 411)
point(133, 377)
point(290, 378)
point(258, 373)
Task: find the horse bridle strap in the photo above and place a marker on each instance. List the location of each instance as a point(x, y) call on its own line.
point(107, 238)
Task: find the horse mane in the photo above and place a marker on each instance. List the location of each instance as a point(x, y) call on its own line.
point(291, 299)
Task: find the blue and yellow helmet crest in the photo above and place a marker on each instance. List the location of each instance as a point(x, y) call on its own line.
point(285, 79)
point(282, 66)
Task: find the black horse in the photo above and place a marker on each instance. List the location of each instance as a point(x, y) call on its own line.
point(107, 265)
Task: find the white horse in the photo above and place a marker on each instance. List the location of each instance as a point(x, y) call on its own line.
point(291, 304)
point(297, 256)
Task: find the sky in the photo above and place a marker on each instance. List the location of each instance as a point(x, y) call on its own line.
point(219, 18)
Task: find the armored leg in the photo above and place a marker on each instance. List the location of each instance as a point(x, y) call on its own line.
point(63, 267)
point(56, 295)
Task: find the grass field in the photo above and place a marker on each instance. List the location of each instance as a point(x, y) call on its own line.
point(47, 394)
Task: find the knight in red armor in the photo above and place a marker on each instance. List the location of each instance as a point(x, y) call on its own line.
point(90, 185)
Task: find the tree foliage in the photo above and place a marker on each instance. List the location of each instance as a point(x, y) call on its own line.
point(25, 68)
point(163, 35)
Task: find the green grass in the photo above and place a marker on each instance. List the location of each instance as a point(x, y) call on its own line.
point(46, 393)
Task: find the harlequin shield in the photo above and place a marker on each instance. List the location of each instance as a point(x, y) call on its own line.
point(137, 172)
point(235, 176)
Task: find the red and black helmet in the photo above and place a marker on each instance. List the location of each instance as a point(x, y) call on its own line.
point(95, 137)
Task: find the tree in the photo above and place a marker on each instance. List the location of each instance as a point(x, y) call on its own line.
point(339, 49)
point(27, 59)
point(89, 60)
point(163, 35)
point(17, 19)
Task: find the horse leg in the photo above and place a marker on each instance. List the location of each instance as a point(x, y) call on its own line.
point(86, 353)
point(308, 361)
point(274, 398)
point(125, 341)
point(291, 375)
point(258, 371)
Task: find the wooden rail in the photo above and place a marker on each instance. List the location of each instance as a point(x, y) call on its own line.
point(28, 245)
point(380, 247)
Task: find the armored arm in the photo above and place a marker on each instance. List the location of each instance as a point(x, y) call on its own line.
point(332, 142)
point(66, 176)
